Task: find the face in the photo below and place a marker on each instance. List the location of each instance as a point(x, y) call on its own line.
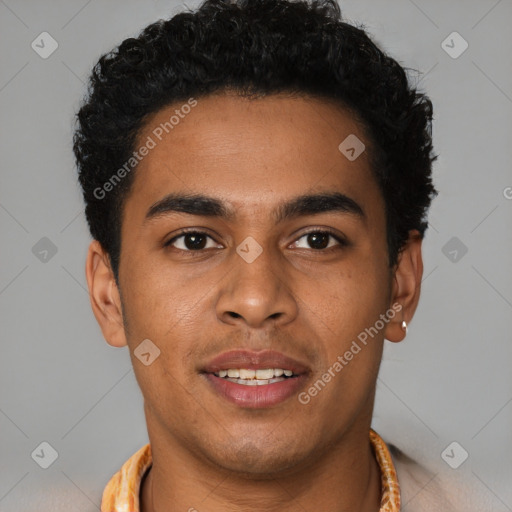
point(292, 288)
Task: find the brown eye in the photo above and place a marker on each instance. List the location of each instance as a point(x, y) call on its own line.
point(319, 240)
point(191, 241)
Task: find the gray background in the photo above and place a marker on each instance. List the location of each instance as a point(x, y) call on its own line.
point(60, 382)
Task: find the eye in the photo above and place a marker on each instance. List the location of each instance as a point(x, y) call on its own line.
point(320, 240)
point(191, 241)
point(195, 241)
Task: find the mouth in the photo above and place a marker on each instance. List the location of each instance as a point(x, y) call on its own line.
point(260, 377)
point(255, 379)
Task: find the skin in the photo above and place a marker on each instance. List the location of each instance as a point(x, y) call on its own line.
point(306, 302)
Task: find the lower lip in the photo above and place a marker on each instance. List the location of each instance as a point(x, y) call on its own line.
point(256, 397)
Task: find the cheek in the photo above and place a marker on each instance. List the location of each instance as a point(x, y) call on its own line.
point(169, 312)
point(350, 306)
point(162, 311)
point(354, 296)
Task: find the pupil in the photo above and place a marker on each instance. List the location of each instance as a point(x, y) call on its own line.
point(313, 240)
point(197, 241)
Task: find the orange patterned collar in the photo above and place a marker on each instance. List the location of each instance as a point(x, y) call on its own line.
point(122, 491)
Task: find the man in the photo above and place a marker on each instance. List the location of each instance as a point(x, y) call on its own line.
point(257, 176)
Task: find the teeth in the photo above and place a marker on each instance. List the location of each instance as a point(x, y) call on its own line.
point(248, 374)
point(256, 382)
point(253, 377)
point(264, 374)
point(248, 382)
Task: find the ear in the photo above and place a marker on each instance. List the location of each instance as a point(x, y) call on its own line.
point(406, 286)
point(104, 295)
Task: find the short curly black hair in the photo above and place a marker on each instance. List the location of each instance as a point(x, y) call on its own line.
point(255, 47)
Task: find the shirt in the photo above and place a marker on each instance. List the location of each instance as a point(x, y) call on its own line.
point(122, 491)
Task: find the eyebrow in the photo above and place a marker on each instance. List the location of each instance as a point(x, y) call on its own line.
point(206, 206)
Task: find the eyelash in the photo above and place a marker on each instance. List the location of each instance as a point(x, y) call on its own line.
point(341, 241)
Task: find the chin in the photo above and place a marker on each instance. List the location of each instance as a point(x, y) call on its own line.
point(260, 462)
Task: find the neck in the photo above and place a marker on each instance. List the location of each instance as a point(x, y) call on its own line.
point(344, 479)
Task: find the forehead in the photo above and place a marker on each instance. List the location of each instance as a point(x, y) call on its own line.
point(252, 152)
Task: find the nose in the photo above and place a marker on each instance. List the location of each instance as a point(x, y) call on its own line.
point(257, 294)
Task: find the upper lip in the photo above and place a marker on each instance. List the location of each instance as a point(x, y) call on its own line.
point(254, 361)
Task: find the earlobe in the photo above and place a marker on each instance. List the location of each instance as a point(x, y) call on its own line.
point(104, 295)
point(406, 287)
